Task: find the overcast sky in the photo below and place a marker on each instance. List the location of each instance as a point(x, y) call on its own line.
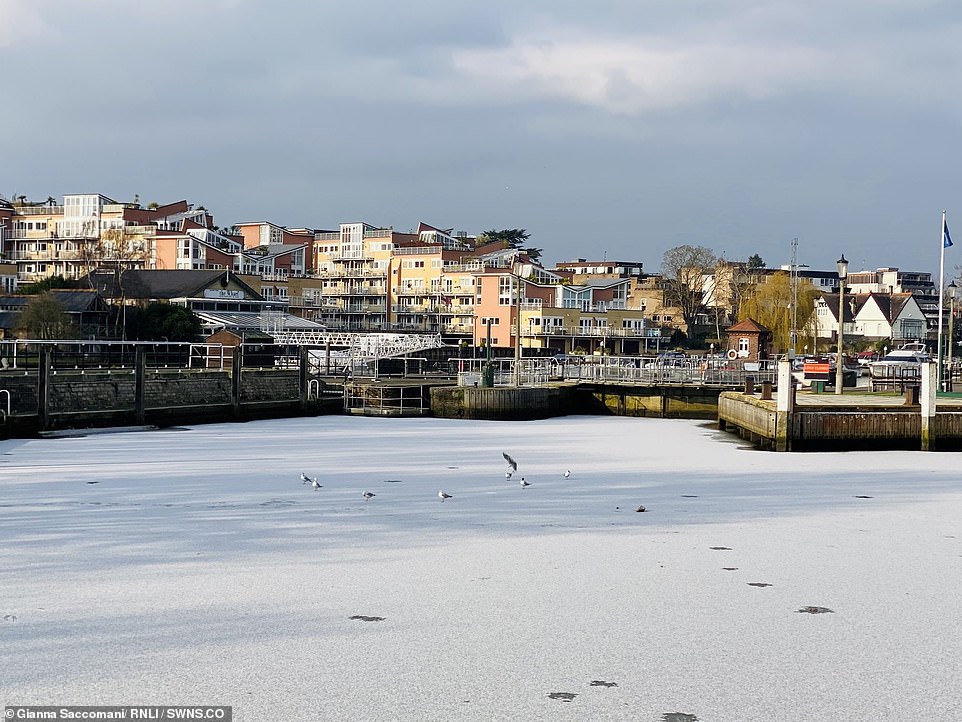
point(617, 127)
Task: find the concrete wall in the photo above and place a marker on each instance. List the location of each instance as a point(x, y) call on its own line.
point(468, 402)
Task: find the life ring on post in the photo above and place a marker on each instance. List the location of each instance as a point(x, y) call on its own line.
point(732, 354)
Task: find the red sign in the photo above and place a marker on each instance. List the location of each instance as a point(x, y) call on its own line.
point(817, 371)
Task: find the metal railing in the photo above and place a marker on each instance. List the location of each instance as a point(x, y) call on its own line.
point(641, 370)
point(24, 355)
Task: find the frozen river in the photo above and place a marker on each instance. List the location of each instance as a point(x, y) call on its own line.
point(193, 566)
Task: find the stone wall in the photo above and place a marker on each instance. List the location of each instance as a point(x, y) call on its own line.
point(186, 388)
point(269, 385)
point(101, 398)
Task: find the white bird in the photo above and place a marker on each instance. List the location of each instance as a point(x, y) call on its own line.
point(511, 462)
point(507, 475)
point(368, 495)
point(567, 473)
point(315, 484)
point(442, 495)
point(524, 483)
point(306, 479)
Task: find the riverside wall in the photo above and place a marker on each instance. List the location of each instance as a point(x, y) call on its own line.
point(121, 397)
point(469, 402)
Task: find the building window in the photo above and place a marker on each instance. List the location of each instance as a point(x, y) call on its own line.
point(743, 345)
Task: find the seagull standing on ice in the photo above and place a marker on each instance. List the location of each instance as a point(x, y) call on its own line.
point(442, 495)
point(315, 484)
point(507, 475)
point(567, 473)
point(368, 495)
point(524, 483)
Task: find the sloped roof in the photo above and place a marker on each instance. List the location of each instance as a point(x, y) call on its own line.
point(831, 301)
point(748, 325)
point(9, 320)
point(71, 300)
point(170, 284)
point(241, 320)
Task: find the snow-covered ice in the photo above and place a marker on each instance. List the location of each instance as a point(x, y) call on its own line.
point(194, 567)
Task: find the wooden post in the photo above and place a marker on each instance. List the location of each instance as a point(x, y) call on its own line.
point(927, 400)
point(43, 387)
point(784, 406)
point(303, 359)
point(140, 369)
point(237, 358)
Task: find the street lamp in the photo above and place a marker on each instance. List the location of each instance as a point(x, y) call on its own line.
point(842, 275)
point(517, 327)
point(953, 289)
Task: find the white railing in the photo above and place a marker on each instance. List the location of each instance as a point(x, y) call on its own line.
point(641, 370)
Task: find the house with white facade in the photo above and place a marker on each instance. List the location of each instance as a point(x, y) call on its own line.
point(872, 317)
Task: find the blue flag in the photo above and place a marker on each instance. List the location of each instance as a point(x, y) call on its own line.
point(946, 238)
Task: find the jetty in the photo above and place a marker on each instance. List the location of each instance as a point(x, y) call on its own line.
point(786, 420)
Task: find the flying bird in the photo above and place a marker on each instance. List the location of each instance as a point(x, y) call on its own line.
point(442, 495)
point(511, 462)
point(368, 495)
point(567, 473)
point(524, 483)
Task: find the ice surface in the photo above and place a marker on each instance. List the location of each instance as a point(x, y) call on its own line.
point(198, 568)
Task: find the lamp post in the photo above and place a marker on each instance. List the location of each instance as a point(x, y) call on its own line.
point(839, 364)
point(517, 331)
point(953, 289)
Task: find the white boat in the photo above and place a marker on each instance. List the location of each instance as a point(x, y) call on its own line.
point(906, 360)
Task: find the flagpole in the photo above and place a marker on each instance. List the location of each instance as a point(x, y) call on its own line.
point(941, 291)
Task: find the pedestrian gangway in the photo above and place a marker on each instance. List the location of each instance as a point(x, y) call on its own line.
point(360, 345)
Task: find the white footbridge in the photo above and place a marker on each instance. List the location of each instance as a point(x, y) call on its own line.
point(359, 345)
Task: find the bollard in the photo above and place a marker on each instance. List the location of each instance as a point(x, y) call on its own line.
point(766, 391)
point(911, 396)
point(749, 385)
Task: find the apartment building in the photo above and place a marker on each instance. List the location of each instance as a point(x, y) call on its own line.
point(352, 266)
point(84, 232)
point(549, 311)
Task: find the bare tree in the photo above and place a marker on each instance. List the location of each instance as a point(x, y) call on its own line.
point(685, 268)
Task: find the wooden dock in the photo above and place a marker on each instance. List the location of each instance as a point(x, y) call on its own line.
point(823, 422)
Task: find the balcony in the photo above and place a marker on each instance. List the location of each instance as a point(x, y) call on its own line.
point(353, 273)
point(464, 268)
point(418, 251)
point(38, 210)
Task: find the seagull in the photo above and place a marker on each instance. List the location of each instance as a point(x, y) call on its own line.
point(524, 483)
point(442, 495)
point(368, 495)
point(306, 479)
point(567, 473)
point(507, 475)
point(315, 484)
point(511, 462)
